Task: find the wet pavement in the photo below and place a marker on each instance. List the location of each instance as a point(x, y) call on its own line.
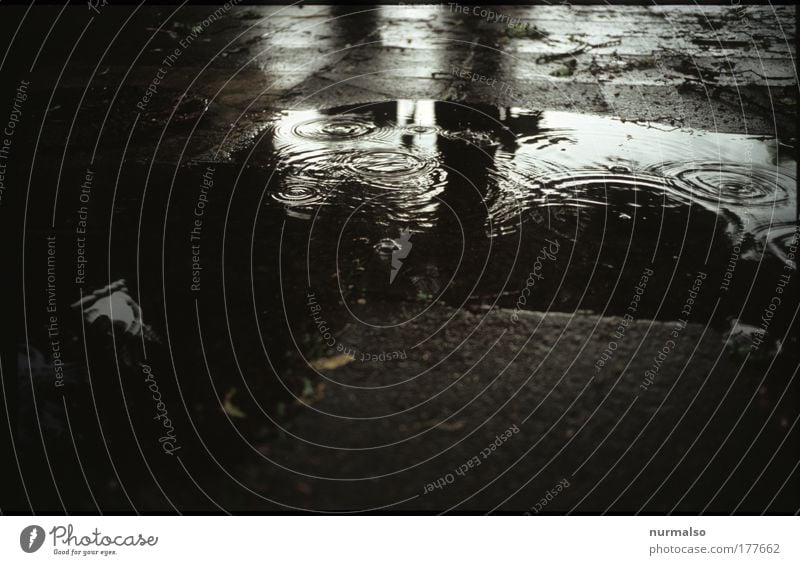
point(404, 258)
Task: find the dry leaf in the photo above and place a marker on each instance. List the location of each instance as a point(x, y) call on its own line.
point(230, 408)
point(330, 362)
point(451, 426)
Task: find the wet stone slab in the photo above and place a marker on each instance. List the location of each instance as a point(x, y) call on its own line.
point(615, 434)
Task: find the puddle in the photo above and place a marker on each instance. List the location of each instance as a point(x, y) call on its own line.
point(483, 188)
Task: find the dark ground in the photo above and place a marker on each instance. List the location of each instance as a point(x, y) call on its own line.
point(715, 431)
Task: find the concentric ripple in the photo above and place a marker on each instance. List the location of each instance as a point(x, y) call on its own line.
point(556, 198)
point(780, 239)
point(401, 183)
point(418, 129)
point(298, 194)
point(298, 131)
point(587, 182)
point(307, 178)
point(393, 169)
point(729, 184)
point(332, 128)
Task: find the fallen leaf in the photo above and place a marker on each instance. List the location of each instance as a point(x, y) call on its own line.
point(330, 362)
point(452, 426)
point(230, 408)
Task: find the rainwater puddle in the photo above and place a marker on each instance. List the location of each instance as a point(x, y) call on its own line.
point(483, 189)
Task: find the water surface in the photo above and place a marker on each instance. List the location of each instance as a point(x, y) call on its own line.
point(481, 190)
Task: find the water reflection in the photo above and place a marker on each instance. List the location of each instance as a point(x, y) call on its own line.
point(496, 183)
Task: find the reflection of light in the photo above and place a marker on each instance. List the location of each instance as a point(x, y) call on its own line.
point(515, 112)
point(298, 116)
point(418, 113)
point(574, 140)
point(405, 109)
point(425, 115)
